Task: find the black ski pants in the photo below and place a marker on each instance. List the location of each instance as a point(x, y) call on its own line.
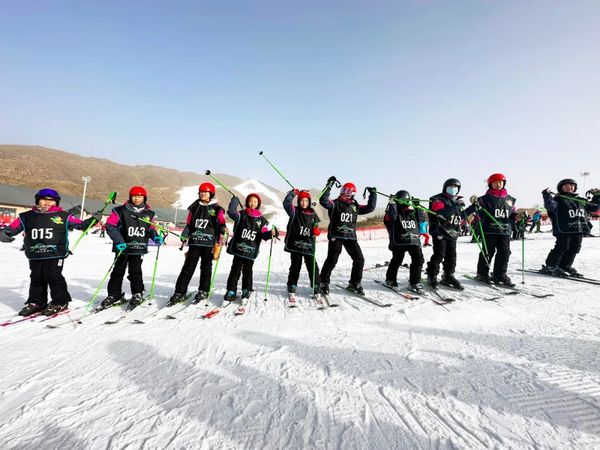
point(333, 253)
point(499, 245)
point(416, 263)
point(564, 251)
point(296, 265)
point(135, 277)
point(240, 266)
point(194, 254)
point(47, 273)
point(444, 250)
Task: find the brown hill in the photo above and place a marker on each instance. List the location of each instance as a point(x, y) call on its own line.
point(33, 166)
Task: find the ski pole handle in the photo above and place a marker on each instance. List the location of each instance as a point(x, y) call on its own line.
point(216, 180)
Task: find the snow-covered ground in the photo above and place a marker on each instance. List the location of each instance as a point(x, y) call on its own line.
point(521, 373)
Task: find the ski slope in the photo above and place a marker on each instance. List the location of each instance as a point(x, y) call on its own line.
point(520, 373)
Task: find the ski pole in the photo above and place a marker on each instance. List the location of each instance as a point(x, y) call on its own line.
point(335, 183)
point(314, 266)
point(484, 244)
point(216, 180)
point(523, 257)
point(91, 302)
point(491, 217)
point(483, 253)
point(410, 202)
point(110, 199)
point(276, 170)
point(158, 227)
point(223, 240)
point(269, 267)
point(151, 296)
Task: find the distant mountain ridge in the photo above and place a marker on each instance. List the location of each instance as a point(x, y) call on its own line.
point(35, 167)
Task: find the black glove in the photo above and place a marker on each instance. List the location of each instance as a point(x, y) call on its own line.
point(4, 237)
point(332, 179)
point(97, 216)
point(415, 201)
point(184, 234)
point(372, 190)
point(460, 203)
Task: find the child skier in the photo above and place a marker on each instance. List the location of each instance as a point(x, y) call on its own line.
point(343, 214)
point(46, 243)
point(444, 227)
point(402, 222)
point(130, 231)
point(536, 221)
point(249, 230)
point(568, 213)
point(496, 232)
point(205, 223)
point(302, 230)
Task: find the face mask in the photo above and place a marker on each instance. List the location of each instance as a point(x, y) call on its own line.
point(346, 192)
point(452, 190)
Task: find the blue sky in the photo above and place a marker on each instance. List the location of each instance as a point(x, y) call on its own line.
point(398, 94)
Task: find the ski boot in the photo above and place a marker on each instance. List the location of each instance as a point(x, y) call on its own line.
point(484, 278)
point(416, 288)
point(325, 288)
point(31, 308)
point(391, 283)
point(450, 280)
point(573, 272)
point(246, 294)
point(201, 295)
point(136, 300)
point(503, 279)
point(356, 288)
point(111, 300)
point(291, 289)
point(53, 308)
point(432, 281)
point(229, 296)
point(554, 271)
point(175, 298)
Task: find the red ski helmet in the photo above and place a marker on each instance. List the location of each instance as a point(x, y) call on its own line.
point(49, 194)
point(207, 187)
point(496, 177)
point(348, 189)
point(138, 190)
point(304, 194)
point(257, 197)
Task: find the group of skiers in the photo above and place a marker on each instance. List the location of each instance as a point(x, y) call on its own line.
point(132, 225)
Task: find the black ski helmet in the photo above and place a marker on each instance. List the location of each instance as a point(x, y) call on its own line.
point(404, 195)
point(561, 183)
point(49, 194)
point(451, 182)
